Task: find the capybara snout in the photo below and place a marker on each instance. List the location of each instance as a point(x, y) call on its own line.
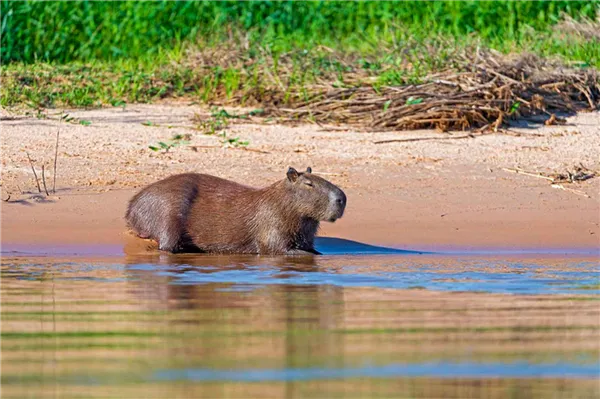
point(337, 204)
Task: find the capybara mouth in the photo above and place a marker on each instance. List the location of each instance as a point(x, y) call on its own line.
point(335, 217)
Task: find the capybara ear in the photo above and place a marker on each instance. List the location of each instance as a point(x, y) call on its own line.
point(309, 170)
point(292, 174)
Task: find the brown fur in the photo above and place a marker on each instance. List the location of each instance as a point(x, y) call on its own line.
point(193, 211)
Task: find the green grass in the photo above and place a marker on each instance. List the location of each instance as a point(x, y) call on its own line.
point(86, 31)
point(88, 54)
point(252, 79)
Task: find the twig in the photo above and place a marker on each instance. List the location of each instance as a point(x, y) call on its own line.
point(522, 172)
point(55, 159)
point(466, 136)
point(501, 76)
point(34, 174)
point(561, 187)
point(254, 150)
point(44, 179)
point(332, 128)
point(195, 147)
point(328, 173)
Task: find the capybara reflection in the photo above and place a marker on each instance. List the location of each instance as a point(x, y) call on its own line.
point(197, 212)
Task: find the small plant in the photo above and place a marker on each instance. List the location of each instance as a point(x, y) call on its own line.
point(223, 114)
point(118, 103)
point(40, 114)
point(514, 108)
point(219, 119)
point(213, 125)
point(234, 142)
point(149, 123)
point(75, 121)
point(177, 140)
point(413, 100)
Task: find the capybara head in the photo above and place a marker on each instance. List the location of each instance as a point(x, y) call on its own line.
point(315, 197)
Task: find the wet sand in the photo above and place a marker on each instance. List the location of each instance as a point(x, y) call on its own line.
point(424, 195)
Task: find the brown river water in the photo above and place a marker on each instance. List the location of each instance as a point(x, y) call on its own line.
point(366, 324)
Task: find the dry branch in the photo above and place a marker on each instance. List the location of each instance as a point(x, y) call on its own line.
point(44, 180)
point(34, 174)
point(581, 173)
point(578, 192)
point(522, 172)
point(466, 136)
point(55, 158)
point(495, 91)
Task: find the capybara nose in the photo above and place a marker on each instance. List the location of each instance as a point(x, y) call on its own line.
point(341, 199)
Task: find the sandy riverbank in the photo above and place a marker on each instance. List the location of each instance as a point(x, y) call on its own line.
point(433, 194)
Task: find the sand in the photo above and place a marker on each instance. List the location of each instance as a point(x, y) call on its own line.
point(438, 194)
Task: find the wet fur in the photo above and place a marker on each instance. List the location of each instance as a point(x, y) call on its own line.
point(197, 212)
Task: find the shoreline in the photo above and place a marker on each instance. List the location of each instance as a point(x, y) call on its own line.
point(84, 221)
point(434, 196)
point(115, 250)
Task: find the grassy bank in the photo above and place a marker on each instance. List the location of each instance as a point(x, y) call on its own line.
point(110, 53)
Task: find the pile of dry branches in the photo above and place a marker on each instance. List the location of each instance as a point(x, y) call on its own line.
point(489, 91)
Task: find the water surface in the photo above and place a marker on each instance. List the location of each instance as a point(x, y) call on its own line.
point(371, 325)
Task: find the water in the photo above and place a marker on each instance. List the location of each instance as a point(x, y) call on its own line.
point(379, 324)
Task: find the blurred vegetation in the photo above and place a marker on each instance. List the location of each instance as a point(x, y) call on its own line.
point(85, 30)
point(90, 53)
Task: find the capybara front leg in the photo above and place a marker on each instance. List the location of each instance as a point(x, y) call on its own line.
point(167, 244)
point(169, 240)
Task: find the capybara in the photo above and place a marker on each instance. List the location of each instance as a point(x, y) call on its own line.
point(197, 212)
